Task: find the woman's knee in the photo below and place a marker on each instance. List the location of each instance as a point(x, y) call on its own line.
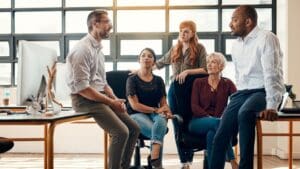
point(160, 121)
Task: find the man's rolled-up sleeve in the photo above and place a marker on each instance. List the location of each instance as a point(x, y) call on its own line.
point(81, 71)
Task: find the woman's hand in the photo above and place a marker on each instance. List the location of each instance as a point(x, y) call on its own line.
point(133, 71)
point(181, 77)
point(165, 110)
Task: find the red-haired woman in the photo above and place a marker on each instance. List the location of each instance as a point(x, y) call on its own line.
point(186, 57)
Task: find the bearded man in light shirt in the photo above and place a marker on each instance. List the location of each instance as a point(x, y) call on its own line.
point(257, 58)
point(90, 92)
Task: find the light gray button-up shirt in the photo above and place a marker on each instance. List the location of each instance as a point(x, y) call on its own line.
point(258, 64)
point(85, 65)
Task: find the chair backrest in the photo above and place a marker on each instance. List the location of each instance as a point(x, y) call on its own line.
point(117, 81)
point(183, 92)
point(183, 97)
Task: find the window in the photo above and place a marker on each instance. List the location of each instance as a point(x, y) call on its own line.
point(38, 22)
point(241, 2)
point(105, 43)
point(264, 18)
point(89, 3)
point(138, 23)
point(76, 21)
point(5, 76)
point(5, 3)
point(205, 19)
point(37, 3)
point(134, 47)
point(5, 19)
point(140, 3)
point(4, 49)
point(193, 2)
point(60, 24)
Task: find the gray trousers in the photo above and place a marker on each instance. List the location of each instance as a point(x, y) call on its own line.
point(123, 131)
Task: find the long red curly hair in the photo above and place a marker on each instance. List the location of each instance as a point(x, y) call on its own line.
point(177, 50)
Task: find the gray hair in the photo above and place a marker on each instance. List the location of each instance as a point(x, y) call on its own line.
point(219, 56)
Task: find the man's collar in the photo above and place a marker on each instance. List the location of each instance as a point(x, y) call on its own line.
point(95, 43)
point(251, 34)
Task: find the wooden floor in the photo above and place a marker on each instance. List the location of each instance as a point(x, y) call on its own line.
point(95, 161)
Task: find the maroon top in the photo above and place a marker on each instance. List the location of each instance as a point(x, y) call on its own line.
point(206, 102)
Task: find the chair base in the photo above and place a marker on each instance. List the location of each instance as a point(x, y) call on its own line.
point(140, 167)
point(205, 162)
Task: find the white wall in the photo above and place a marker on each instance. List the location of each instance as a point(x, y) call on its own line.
point(71, 138)
point(293, 37)
point(289, 34)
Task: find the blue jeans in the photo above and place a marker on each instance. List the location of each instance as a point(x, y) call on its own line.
point(153, 126)
point(185, 155)
point(239, 116)
point(208, 126)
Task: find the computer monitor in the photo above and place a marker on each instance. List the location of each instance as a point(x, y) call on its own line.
point(32, 66)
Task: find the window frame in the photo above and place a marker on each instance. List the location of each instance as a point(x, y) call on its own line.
point(116, 37)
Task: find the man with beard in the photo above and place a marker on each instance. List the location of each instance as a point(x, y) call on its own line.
point(257, 58)
point(90, 92)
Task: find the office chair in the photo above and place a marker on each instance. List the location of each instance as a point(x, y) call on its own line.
point(117, 81)
point(186, 140)
point(5, 145)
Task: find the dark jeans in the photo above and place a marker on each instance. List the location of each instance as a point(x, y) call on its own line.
point(185, 155)
point(208, 126)
point(239, 116)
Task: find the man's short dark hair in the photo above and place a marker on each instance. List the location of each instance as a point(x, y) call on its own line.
point(94, 16)
point(249, 12)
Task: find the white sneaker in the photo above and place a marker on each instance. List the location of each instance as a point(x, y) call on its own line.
point(185, 166)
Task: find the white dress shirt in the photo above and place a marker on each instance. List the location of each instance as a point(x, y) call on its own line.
point(258, 64)
point(85, 65)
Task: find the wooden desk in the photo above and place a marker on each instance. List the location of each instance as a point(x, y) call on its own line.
point(49, 124)
point(282, 118)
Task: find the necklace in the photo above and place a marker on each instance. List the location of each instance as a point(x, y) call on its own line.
point(213, 84)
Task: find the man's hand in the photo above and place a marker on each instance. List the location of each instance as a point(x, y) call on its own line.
point(268, 114)
point(118, 105)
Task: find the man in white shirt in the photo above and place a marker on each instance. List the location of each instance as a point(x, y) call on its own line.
point(90, 92)
point(257, 58)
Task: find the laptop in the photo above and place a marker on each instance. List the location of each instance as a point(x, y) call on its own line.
point(293, 108)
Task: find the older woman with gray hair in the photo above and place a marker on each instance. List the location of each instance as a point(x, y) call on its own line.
point(209, 99)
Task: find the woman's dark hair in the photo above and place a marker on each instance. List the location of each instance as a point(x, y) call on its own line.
point(151, 51)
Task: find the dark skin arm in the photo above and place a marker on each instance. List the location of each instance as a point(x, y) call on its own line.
point(268, 114)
